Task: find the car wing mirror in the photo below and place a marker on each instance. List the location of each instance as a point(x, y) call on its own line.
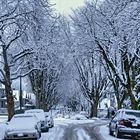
point(36, 127)
point(112, 117)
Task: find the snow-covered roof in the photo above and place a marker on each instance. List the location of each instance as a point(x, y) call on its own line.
point(18, 122)
point(34, 111)
point(129, 110)
point(38, 112)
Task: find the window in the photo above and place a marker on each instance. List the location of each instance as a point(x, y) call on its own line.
point(136, 114)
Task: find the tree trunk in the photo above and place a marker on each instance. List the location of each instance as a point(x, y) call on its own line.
point(134, 103)
point(8, 88)
point(120, 100)
point(94, 109)
point(91, 111)
point(37, 100)
point(10, 103)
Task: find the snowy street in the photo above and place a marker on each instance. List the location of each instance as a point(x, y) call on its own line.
point(74, 130)
point(66, 129)
point(80, 130)
point(70, 69)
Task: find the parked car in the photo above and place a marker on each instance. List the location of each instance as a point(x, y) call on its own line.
point(125, 121)
point(41, 116)
point(50, 120)
point(79, 117)
point(84, 113)
point(23, 126)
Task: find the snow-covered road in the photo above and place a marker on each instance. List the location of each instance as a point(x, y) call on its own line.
point(71, 130)
point(79, 130)
point(105, 133)
point(55, 133)
point(66, 129)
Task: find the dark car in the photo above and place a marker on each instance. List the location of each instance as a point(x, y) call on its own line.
point(125, 121)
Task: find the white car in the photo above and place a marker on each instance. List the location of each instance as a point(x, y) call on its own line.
point(50, 120)
point(23, 126)
point(84, 113)
point(78, 117)
point(41, 116)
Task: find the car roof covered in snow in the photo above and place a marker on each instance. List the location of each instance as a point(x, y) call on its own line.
point(34, 110)
point(23, 115)
point(129, 110)
point(38, 112)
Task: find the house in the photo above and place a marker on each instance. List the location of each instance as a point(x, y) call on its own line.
point(28, 100)
point(3, 108)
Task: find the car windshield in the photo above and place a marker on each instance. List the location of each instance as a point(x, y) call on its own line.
point(34, 112)
point(136, 114)
point(39, 114)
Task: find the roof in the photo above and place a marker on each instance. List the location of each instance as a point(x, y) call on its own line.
point(23, 115)
point(129, 110)
point(34, 110)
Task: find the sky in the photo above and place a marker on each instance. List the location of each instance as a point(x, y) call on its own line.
point(64, 6)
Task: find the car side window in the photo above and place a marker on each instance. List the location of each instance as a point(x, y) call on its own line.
point(116, 116)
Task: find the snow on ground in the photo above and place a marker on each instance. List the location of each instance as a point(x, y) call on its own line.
point(57, 131)
point(53, 134)
point(3, 119)
point(2, 130)
point(82, 135)
point(69, 121)
point(105, 134)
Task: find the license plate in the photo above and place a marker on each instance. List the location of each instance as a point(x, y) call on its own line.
point(20, 135)
point(134, 124)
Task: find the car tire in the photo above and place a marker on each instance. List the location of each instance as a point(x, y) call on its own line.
point(110, 132)
point(117, 133)
point(47, 129)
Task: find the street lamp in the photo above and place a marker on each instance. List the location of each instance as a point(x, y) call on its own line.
point(20, 94)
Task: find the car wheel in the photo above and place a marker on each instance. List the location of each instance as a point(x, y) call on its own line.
point(110, 132)
point(117, 133)
point(47, 129)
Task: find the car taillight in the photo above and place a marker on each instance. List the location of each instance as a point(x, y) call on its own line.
point(123, 122)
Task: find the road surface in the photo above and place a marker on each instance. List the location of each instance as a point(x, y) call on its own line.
point(72, 131)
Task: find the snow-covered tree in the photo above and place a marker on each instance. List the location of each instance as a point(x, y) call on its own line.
point(13, 17)
point(45, 62)
point(120, 34)
point(92, 80)
point(113, 29)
